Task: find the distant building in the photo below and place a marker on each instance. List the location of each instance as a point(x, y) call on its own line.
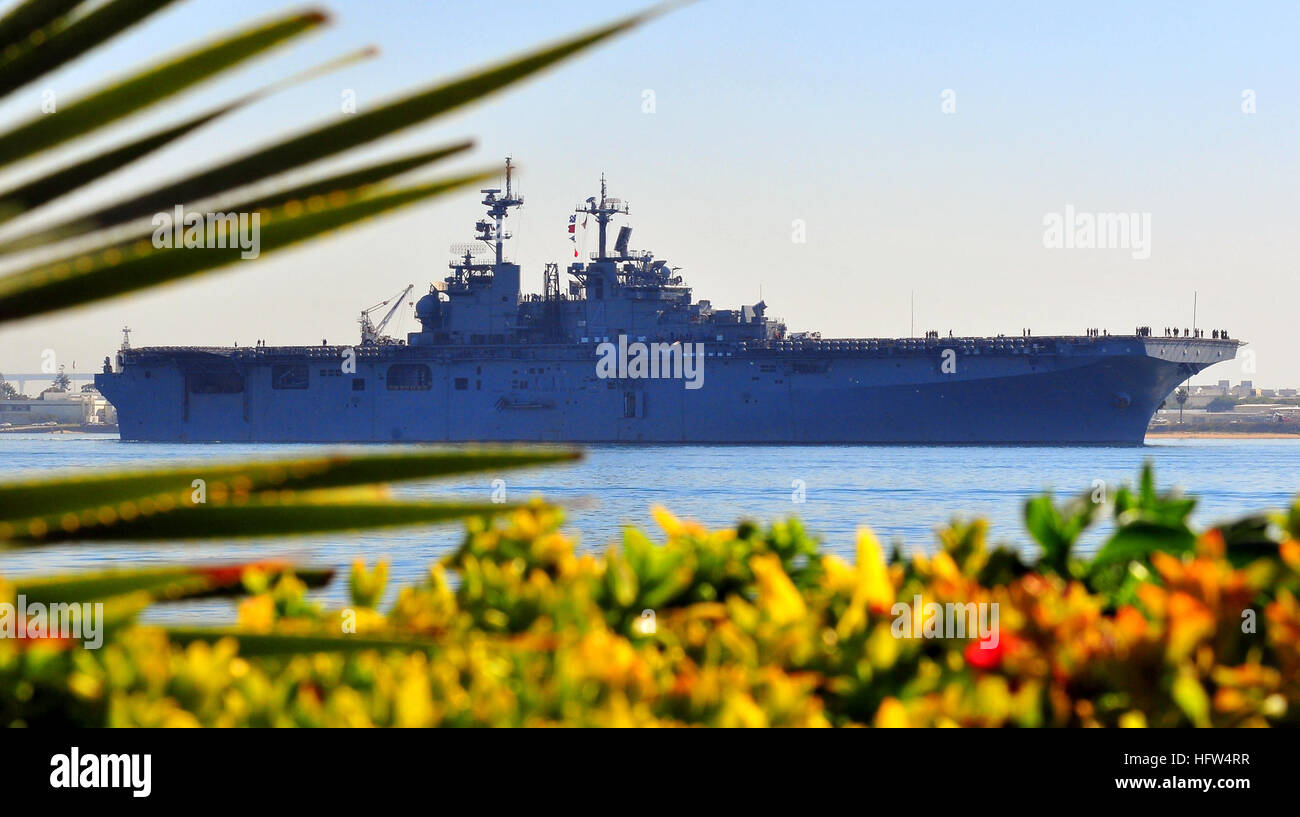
point(87, 407)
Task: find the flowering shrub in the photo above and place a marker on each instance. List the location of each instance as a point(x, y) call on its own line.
point(745, 627)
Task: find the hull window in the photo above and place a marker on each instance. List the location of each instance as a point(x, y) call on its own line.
point(409, 377)
point(289, 376)
point(215, 383)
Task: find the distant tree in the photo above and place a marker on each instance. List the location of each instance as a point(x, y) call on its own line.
point(62, 381)
point(7, 391)
point(1181, 397)
point(1223, 403)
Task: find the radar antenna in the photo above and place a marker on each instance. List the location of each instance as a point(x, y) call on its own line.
point(603, 210)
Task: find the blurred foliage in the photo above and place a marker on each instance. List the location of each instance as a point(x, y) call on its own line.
point(344, 490)
point(751, 626)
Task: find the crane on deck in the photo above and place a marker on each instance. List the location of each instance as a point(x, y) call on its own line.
point(371, 334)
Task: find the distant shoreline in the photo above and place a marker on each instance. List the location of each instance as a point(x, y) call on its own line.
point(103, 428)
point(1225, 435)
point(63, 428)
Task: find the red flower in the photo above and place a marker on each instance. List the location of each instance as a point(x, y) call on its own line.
point(988, 654)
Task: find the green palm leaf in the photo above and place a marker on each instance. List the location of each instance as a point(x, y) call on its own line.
point(29, 17)
point(48, 500)
point(40, 191)
point(145, 87)
point(136, 264)
point(326, 140)
point(161, 583)
point(352, 180)
point(276, 515)
point(60, 44)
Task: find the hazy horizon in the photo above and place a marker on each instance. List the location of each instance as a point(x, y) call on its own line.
point(836, 117)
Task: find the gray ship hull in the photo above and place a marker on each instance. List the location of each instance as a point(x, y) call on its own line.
point(1074, 390)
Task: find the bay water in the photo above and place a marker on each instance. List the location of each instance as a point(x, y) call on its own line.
point(902, 492)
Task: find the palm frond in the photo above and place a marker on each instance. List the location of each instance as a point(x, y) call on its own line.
point(143, 88)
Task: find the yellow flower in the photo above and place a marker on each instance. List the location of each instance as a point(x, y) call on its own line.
point(777, 595)
point(663, 518)
point(874, 591)
point(891, 715)
point(1133, 720)
point(257, 612)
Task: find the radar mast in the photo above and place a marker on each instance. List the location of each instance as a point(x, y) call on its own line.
point(603, 210)
point(473, 260)
point(498, 205)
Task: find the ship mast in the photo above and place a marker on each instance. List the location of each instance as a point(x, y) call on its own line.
point(498, 208)
point(603, 210)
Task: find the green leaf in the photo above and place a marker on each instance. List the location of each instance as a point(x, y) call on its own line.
point(1191, 697)
point(133, 265)
point(118, 493)
point(1057, 530)
point(29, 17)
point(161, 583)
point(1250, 538)
point(328, 140)
point(33, 194)
point(1167, 508)
point(1140, 538)
point(144, 88)
point(275, 516)
point(270, 645)
point(1146, 522)
point(26, 197)
point(351, 180)
point(62, 44)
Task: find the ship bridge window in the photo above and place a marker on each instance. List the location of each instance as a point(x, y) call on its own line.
point(289, 376)
point(409, 377)
point(215, 383)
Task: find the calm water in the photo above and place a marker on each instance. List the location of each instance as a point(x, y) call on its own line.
point(903, 492)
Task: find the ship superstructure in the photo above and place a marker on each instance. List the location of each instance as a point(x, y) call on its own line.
point(624, 353)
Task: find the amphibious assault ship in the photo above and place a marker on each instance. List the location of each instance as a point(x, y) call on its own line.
point(624, 354)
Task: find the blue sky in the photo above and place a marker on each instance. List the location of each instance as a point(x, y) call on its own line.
point(767, 113)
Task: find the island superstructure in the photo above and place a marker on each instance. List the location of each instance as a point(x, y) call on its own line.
point(620, 352)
